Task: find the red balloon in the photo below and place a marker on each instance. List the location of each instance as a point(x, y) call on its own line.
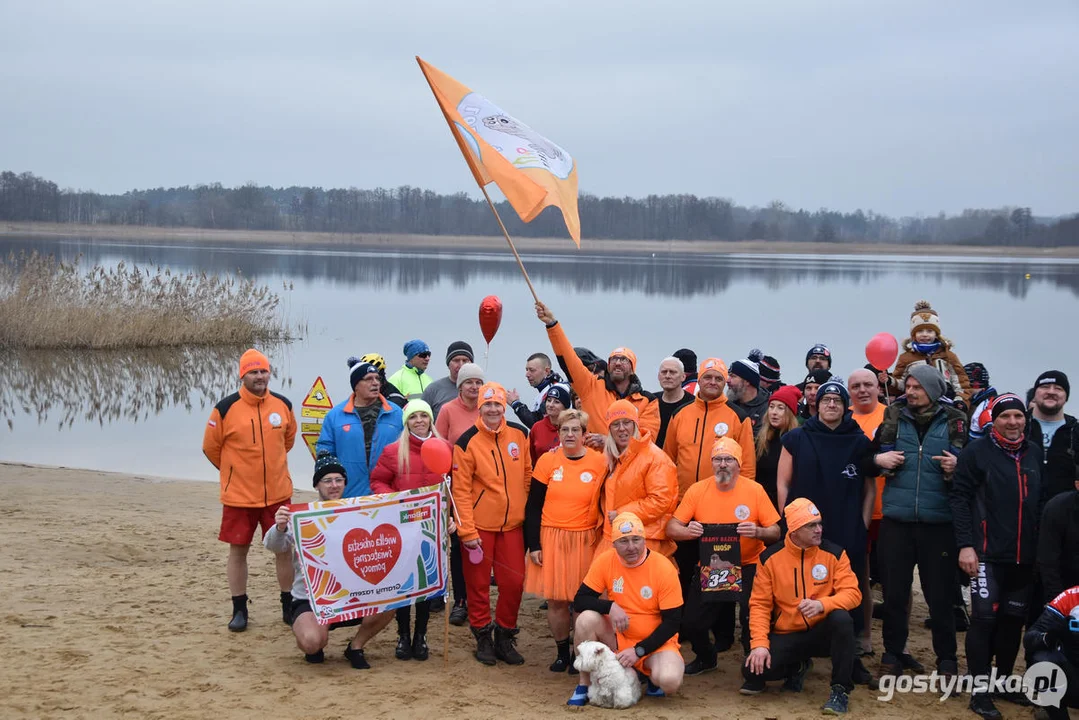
point(882, 350)
point(490, 317)
point(437, 455)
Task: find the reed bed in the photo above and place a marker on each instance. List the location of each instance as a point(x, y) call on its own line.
point(48, 304)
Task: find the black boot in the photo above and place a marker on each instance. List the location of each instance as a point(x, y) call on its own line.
point(239, 613)
point(404, 648)
point(420, 650)
point(562, 661)
point(506, 646)
point(485, 646)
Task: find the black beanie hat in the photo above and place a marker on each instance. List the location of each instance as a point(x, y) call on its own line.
point(769, 368)
point(1054, 377)
point(1007, 401)
point(359, 370)
point(977, 374)
point(817, 376)
point(819, 349)
point(688, 358)
point(459, 347)
point(748, 371)
point(326, 464)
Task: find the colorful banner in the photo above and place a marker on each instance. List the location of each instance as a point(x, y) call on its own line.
point(721, 562)
point(364, 555)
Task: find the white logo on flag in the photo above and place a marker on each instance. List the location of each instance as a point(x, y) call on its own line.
point(515, 141)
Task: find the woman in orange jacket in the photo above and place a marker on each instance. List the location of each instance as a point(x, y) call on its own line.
point(491, 472)
point(642, 480)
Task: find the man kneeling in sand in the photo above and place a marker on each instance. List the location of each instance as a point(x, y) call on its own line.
point(311, 637)
point(640, 620)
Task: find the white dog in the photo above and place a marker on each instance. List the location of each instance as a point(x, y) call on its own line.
point(613, 686)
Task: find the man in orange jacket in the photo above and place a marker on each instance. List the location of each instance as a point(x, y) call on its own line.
point(598, 393)
point(247, 439)
point(492, 470)
point(799, 609)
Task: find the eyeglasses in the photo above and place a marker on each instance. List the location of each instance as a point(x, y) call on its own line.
point(424, 354)
point(724, 460)
point(333, 480)
point(830, 400)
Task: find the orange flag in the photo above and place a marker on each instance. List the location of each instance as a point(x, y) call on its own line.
point(530, 170)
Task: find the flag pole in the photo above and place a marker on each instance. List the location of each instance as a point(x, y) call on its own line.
point(506, 234)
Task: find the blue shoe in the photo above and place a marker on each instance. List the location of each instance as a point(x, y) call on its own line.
point(653, 691)
point(579, 698)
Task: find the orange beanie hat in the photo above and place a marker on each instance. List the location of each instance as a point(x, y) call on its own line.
point(625, 525)
point(714, 365)
point(800, 512)
point(623, 409)
point(493, 392)
point(253, 360)
point(726, 446)
point(626, 353)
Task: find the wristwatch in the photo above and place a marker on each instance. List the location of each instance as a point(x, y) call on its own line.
point(639, 650)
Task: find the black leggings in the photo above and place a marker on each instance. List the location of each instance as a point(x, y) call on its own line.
point(457, 570)
point(999, 594)
point(423, 614)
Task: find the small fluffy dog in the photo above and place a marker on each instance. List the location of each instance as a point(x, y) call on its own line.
point(613, 686)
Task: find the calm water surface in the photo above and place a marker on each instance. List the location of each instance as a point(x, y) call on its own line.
point(144, 412)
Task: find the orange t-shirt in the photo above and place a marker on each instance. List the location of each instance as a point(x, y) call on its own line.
point(747, 501)
point(573, 488)
point(643, 591)
point(869, 424)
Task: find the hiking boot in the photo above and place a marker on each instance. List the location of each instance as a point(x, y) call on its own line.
point(890, 665)
point(356, 658)
point(752, 687)
point(796, 680)
point(315, 657)
point(506, 646)
point(837, 701)
point(982, 705)
point(485, 646)
point(420, 651)
point(907, 661)
point(701, 665)
point(238, 623)
point(404, 648)
point(459, 614)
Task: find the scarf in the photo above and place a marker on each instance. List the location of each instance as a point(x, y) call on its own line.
point(926, 348)
point(1013, 449)
point(923, 417)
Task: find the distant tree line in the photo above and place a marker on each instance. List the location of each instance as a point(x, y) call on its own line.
point(411, 210)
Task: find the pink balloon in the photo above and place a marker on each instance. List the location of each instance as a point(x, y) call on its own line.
point(882, 350)
point(437, 455)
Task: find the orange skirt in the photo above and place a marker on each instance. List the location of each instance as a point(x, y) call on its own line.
point(567, 555)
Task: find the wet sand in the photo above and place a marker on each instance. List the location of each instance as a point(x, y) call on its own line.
point(117, 605)
point(451, 243)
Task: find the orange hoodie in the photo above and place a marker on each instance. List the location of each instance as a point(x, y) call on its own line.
point(248, 438)
point(694, 430)
point(643, 483)
point(491, 474)
point(596, 396)
point(788, 574)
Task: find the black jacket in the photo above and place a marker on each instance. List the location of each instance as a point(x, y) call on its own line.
point(997, 501)
point(526, 415)
point(1061, 470)
point(1058, 545)
point(1051, 632)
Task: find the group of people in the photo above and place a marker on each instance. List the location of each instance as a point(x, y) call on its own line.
point(596, 500)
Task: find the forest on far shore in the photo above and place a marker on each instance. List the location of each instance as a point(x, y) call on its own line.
point(26, 197)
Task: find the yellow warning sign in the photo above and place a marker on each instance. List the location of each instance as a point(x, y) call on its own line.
point(311, 439)
point(311, 427)
point(309, 413)
point(318, 397)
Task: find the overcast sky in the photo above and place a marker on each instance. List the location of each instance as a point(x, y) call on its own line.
point(905, 107)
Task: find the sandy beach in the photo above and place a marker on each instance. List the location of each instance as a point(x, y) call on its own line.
point(404, 243)
point(117, 606)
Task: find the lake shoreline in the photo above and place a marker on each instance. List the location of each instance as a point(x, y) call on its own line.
point(459, 243)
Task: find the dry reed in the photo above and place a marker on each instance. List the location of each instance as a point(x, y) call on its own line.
point(48, 304)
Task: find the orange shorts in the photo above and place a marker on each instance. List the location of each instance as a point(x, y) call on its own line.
point(672, 645)
point(238, 524)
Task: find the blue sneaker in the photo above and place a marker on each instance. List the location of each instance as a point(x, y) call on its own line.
point(579, 698)
point(653, 691)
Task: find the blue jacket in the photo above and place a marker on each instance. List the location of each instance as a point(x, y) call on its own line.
point(918, 491)
point(342, 435)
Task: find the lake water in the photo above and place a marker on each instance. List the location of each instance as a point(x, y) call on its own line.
point(145, 412)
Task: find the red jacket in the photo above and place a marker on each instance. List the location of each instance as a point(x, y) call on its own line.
point(542, 438)
point(385, 478)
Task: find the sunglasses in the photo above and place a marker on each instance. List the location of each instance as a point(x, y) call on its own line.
point(424, 354)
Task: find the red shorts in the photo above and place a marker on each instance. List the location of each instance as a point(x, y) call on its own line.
point(238, 523)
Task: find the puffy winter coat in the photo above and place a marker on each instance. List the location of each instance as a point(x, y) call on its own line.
point(644, 482)
point(386, 477)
